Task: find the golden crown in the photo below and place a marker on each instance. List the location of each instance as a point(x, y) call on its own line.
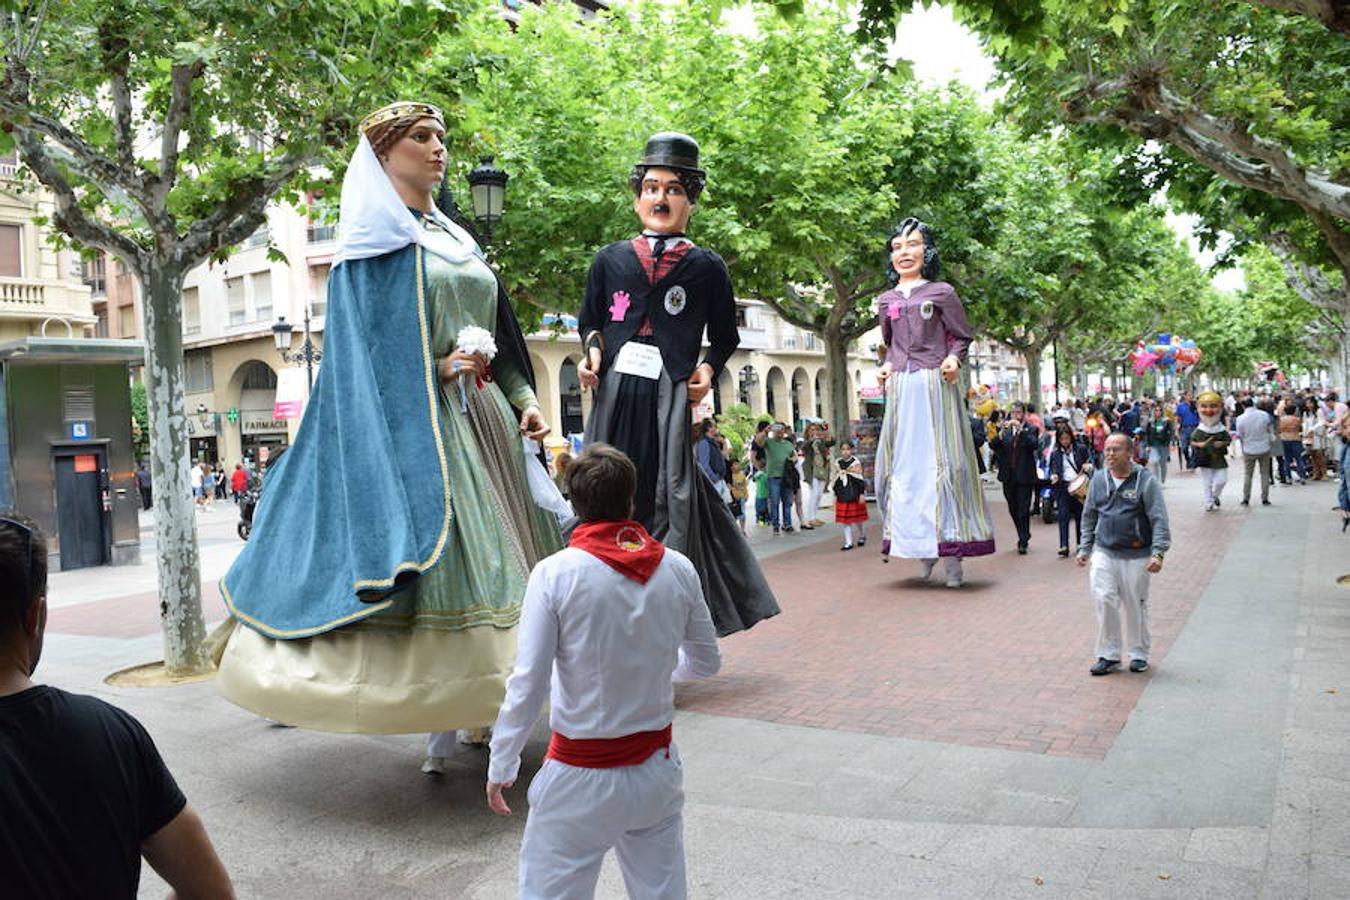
point(1209, 397)
point(399, 110)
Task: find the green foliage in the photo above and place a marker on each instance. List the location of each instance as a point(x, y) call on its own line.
point(737, 424)
point(140, 421)
point(811, 156)
point(269, 82)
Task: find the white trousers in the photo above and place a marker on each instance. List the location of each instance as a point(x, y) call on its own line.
point(813, 500)
point(1120, 591)
point(577, 815)
point(1213, 481)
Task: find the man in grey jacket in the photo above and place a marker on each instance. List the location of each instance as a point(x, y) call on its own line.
point(1256, 430)
point(1125, 535)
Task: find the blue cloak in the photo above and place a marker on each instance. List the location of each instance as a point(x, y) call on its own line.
point(360, 504)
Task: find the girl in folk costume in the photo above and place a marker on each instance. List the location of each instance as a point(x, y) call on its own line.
point(849, 507)
point(1209, 447)
point(394, 608)
point(928, 484)
point(648, 302)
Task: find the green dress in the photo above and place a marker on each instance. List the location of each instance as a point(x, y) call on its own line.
point(438, 657)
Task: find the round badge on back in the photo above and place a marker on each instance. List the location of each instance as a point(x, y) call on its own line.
point(675, 300)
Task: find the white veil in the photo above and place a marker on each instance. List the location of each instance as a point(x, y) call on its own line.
point(373, 220)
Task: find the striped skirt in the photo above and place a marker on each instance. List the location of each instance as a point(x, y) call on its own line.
point(927, 477)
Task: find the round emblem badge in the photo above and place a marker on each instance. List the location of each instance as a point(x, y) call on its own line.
point(629, 539)
point(926, 309)
point(675, 300)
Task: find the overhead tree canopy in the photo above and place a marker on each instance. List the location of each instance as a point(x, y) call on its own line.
point(1235, 108)
point(811, 155)
point(163, 128)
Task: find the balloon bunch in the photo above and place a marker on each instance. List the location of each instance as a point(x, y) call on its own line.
point(1169, 353)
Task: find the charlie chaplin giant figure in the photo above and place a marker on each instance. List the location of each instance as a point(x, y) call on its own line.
point(648, 302)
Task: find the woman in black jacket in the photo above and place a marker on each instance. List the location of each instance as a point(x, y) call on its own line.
point(1069, 458)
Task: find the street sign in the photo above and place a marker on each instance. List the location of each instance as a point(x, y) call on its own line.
point(81, 431)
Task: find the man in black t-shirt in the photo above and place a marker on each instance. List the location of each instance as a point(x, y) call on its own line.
point(83, 791)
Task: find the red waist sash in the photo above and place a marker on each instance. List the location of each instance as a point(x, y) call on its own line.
point(607, 753)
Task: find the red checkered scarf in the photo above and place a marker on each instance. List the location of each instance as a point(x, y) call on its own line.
point(657, 270)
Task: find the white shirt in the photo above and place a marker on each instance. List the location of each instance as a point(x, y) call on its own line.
point(1256, 430)
point(909, 288)
point(612, 646)
point(671, 242)
point(1069, 472)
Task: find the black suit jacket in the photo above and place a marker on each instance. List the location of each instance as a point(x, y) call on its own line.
point(1080, 456)
point(1016, 450)
point(695, 295)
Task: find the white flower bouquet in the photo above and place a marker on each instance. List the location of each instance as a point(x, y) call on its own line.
point(473, 339)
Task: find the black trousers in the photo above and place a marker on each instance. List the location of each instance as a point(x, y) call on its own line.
point(1070, 509)
point(1019, 498)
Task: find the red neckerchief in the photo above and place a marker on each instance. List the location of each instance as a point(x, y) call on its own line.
point(624, 546)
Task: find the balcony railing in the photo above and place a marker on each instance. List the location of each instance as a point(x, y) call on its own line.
point(22, 293)
point(22, 298)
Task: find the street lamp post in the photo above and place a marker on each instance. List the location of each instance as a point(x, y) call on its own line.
point(487, 190)
point(307, 353)
point(749, 378)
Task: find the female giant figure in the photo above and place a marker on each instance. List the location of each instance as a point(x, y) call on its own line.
point(927, 478)
point(381, 587)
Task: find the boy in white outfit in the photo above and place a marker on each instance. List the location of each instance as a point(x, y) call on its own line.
point(610, 622)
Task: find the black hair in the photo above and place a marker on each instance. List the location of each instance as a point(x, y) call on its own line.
point(931, 262)
point(693, 182)
point(24, 579)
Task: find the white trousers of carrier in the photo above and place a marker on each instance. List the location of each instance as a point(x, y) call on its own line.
point(578, 814)
point(1213, 481)
point(1120, 591)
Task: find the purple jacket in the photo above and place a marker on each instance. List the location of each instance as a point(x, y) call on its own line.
point(923, 329)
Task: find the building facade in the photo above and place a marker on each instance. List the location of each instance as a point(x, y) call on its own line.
point(42, 291)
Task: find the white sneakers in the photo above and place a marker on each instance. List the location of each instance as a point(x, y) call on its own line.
point(433, 765)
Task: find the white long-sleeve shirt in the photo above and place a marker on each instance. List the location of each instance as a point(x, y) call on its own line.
point(612, 646)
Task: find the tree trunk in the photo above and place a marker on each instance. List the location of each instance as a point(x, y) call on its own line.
point(1339, 363)
point(180, 600)
point(836, 370)
point(1032, 357)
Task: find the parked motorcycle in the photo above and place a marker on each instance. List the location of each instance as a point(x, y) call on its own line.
point(248, 503)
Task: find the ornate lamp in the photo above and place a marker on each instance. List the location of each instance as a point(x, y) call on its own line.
point(487, 188)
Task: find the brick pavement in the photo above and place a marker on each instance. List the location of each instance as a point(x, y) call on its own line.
point(129, 616)
point(865, 646)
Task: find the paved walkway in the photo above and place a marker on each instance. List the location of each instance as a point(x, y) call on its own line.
point(882, 738)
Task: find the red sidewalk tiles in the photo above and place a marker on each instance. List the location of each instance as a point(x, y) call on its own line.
point(131, 616)
point(865, 646)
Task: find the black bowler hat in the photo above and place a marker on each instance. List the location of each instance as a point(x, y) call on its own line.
point(672, 150)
